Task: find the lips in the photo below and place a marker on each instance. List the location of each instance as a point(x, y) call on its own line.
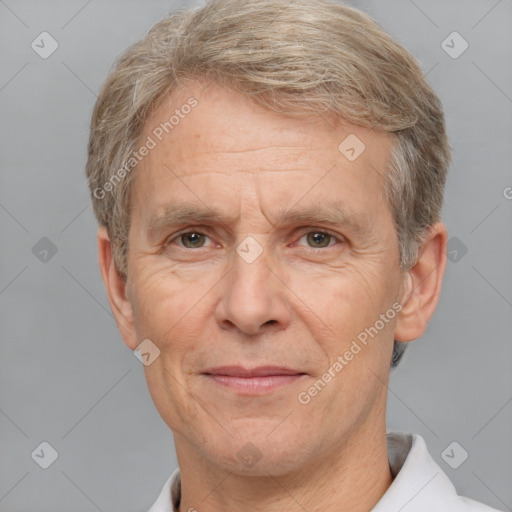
point(260, 371)
point(253, 381)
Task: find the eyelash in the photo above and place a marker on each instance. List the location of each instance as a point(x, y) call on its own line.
point(303, 233)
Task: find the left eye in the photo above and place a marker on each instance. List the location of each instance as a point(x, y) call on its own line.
point(319, 239)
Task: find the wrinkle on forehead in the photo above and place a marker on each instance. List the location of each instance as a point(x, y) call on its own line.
point(265, 148)
point(246, 155)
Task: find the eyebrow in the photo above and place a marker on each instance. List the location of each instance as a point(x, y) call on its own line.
point(327, 212)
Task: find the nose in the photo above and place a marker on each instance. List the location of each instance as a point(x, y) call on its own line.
point(254, 298)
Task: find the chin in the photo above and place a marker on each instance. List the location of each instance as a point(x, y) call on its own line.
point(254, 452)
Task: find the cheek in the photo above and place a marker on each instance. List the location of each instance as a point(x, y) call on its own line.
point(341, 302)
point(162, 302)
point(164, 312)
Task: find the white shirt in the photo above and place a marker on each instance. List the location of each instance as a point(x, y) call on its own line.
point(419, 484)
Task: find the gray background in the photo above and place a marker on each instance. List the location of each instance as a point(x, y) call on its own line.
point(66, 376)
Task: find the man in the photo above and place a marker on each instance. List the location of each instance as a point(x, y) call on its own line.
point(268, 177)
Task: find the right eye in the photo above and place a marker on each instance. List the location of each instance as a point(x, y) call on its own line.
point(189, 239)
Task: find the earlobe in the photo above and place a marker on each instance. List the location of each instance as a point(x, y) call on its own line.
point(423, 286)
point(116, 288)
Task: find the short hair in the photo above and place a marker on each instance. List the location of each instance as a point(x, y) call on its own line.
point(301, 58)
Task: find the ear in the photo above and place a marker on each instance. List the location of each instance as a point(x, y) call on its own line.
point(423, 285)
point(116, 288)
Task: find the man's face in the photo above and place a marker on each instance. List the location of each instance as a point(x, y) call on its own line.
point(260, 288)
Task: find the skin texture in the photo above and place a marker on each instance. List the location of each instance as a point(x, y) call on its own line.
point(300, 304)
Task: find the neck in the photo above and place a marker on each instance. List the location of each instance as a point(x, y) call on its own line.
point(352, 477)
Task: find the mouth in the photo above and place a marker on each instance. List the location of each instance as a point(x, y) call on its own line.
point(255, 381)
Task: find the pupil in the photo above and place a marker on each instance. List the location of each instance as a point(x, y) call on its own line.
point(318, 237)
point(193, 237)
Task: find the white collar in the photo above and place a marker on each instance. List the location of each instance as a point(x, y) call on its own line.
point(419, 484)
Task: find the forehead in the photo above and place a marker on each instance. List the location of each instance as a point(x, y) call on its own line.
point(223, 120)
point(225, 145)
